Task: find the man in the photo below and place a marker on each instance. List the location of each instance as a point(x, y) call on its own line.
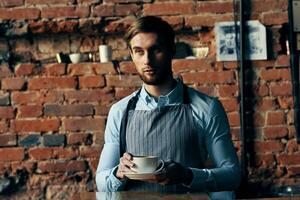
point(228, 46)
point(165, 118)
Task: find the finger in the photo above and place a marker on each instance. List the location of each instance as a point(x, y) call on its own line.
point(127, 155)
point(126, 162)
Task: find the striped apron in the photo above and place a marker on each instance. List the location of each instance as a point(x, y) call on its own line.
point(168, 132)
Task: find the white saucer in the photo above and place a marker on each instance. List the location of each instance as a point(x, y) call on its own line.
point(142, 176)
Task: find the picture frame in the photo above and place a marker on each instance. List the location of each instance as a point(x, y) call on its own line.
point(227, 42)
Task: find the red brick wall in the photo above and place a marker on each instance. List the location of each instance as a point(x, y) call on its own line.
point(52, 116)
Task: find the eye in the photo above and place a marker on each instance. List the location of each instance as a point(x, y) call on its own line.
point(138, 51)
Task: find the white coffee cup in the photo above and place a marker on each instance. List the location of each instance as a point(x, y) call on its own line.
point(147, 164)
point(105, 53)
point(76, 57)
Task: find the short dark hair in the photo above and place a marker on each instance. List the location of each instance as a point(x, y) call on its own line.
point(152, 24)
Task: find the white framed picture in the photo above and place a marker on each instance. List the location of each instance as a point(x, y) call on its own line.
point(227, 41)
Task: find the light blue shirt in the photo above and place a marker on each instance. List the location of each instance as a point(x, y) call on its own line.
point(210, 119)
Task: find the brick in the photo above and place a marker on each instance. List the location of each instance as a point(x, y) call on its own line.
point(62, 166)
point(41, 153)
point(102, 109)
point(8, 140)
point(6, 112)
point(29, 111)
point(89, 95)
point(12, 83)
point(265, 104)
point(28, 166)
point(228, 90)
point(275, 132)
point(65, 11)
point(260, 90)
point(288, 159)
point(37, 2)
point(84, 124)
point(290, 117)
point(54, 140)
point(11, 154)
point(104, 10)
point(282, 89)
point(11, 3)
point(4, 99)
point(268, 146)
point(266, 160)
point(54, 97)
point(65, 153)
point(90, 152)
point(259, 6)
point(55, 69)
point(119, 25)
point(206, 20)
point(24, 69)
point(209, 90)
point(93, 165)
point(52, 83)
point(25, 97)
point(127, 9)
point(91, 82)
point(209, 77)
point(285, 102)
point(283, 61)
point(275, 118)
point(91, 68)
point(123, 81)
point(230, 104)
point(214, 7)
point(68, 110)
point(127, 67)
point(29, 140)
point(19, 13)
point(37, 125)
point(263, 63)
point(78, 138)
point(275, 74)
point(293, 170)
point(175, 21)
point(258, 118)
point(123, 92)
point(274, 18)
point(3, 126)
point(5, 71)
point(99, 138)
point(234, 119)
point(292, 146)
point(168, 8)
point(181, 65)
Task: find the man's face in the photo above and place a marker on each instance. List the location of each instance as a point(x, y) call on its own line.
point(230, 40)
point(151, 58)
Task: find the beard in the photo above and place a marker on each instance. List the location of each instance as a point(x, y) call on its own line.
point(158, 78)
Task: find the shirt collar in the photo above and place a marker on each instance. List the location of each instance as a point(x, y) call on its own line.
point(175, 96)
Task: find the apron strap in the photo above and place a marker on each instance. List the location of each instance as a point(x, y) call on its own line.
point(131, 106)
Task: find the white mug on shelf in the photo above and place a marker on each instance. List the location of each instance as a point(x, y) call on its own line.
point(105, 53)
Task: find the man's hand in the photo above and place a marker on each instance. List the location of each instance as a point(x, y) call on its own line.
point(125, 165)
point(173, 173)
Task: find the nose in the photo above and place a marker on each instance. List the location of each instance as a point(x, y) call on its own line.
point(147, 58)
